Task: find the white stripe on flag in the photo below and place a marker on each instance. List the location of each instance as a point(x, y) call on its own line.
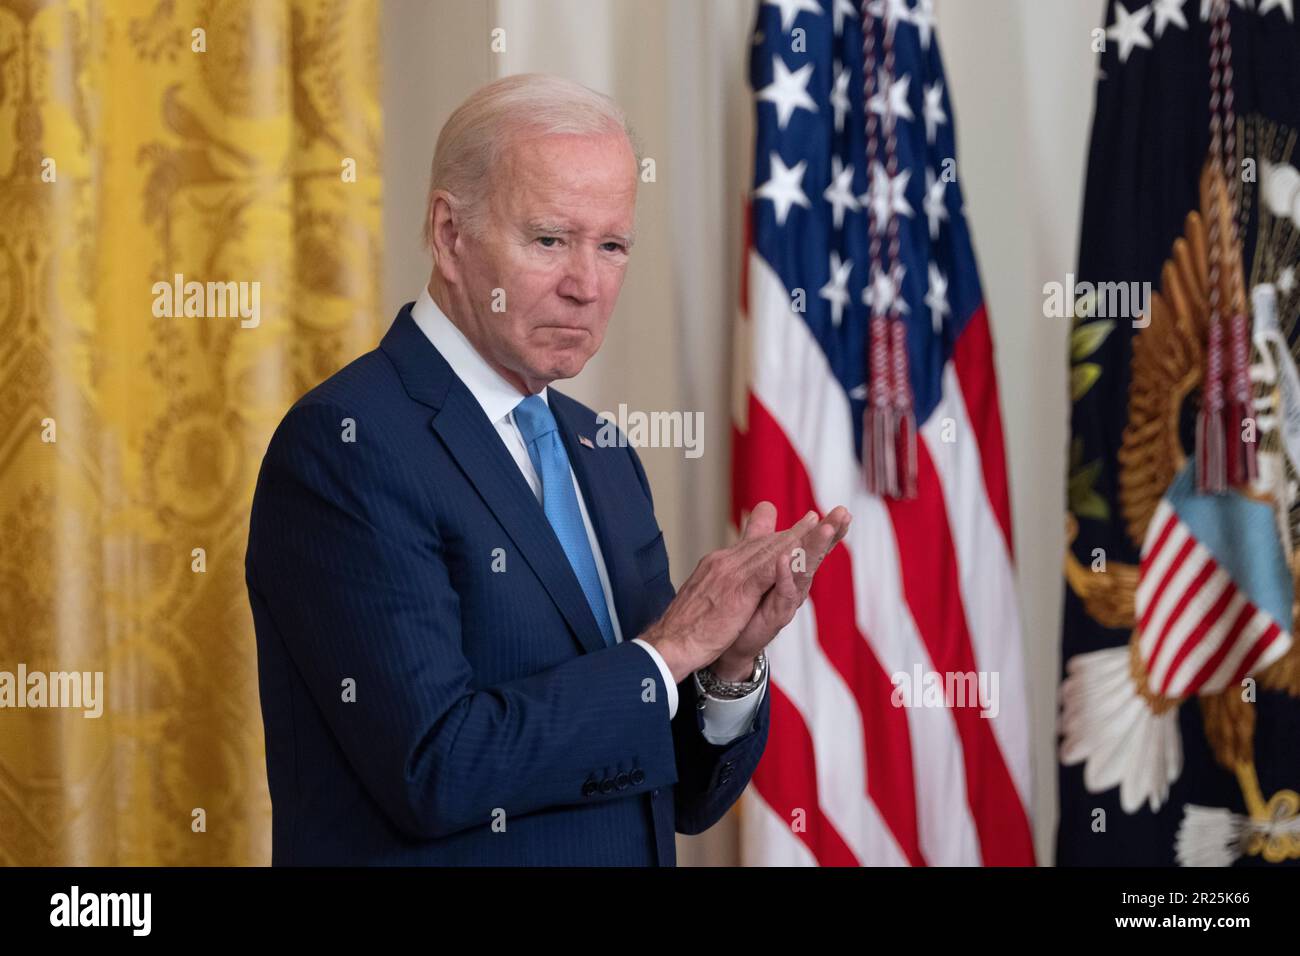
point(1194, 615)
point(1160, 562)
point(831, 715)
point(766, 839)
point(988, 589)
point(1259, 622)
point(1180, 577)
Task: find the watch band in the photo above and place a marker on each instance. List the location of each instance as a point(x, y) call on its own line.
point(715, 686)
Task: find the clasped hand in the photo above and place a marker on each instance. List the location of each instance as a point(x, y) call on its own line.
point(739, 598)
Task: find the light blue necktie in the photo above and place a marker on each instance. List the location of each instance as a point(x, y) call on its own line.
point(542, 436)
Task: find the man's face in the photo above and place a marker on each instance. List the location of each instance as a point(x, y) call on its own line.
point(555, 240)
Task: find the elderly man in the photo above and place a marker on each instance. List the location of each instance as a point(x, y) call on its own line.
point(469, 648)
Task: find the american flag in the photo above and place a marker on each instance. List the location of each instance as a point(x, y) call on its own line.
point(923, 585)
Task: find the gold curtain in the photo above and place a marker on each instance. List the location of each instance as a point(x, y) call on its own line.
point(222, 141)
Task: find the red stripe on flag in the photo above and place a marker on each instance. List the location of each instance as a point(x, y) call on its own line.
point(786, 776)
point(768, 468)
point(1248, 611)
point(1171, 522)
point(928, 562)
point(1271, 634)
point(1211, 618)
point(972, 358)
point(1168, 576)
point(1171, 620)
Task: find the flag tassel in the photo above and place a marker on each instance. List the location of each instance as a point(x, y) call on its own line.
point(879, 463)
point(905, 452)
point(1211, 437)
point(1211, 464)
point(1243, 466)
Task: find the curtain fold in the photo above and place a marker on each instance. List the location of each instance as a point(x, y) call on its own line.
point(234, 144)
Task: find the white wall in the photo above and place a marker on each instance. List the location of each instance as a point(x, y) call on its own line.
point(1021, 77)
point(435, 54)
point(1021, 74)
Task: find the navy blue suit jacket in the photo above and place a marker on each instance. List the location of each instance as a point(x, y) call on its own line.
point(423, 706)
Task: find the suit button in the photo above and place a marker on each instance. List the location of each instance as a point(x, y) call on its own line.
point(606, 785)
point(588, 788)
point(638, 777)
point(621, 781)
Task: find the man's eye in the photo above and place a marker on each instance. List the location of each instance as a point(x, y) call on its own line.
point(548, 241)
point(614, 247)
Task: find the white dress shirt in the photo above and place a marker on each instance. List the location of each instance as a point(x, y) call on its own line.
point(724, 720)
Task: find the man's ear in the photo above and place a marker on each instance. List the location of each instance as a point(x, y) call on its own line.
point(447, 236)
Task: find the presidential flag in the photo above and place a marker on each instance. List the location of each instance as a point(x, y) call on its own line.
point(1180, 718)
point(899, 733)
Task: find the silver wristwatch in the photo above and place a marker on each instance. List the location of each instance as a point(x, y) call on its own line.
point(715, 686)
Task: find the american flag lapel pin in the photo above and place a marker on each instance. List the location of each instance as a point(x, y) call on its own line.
point(584, 440)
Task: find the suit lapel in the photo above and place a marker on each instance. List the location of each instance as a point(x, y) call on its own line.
point(473, 442)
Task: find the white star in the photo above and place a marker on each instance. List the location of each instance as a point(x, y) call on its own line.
point(840, 192)
point(937, 298)
point(1286, 280)
point(1206, 6)
point(840, 95)
point(836, 292)
point(880, 290)
point(1167, 12)
point(791, 9)
point(887, 195)
point(893, 10)
point(789, 91)
point(923, 18)
point(1127, 30)
point(859, 392)
point(784, 187)
point(884, 296)
point(893, 103)
point(936, 210)
point(842, 9)
point(1285, 5)
point(933, 111)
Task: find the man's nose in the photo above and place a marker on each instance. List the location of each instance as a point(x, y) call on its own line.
point(580, 282)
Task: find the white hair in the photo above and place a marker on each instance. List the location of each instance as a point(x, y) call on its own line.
point(474, 137)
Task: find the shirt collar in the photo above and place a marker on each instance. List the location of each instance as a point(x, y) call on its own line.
point(497, 397)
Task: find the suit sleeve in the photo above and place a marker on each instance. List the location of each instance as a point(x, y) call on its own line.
point(710, 777)
point(351, 572)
